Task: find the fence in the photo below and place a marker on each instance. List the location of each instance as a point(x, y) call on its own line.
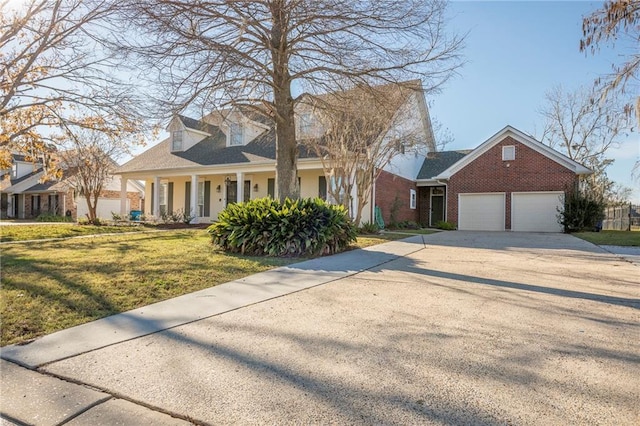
point(621, 218)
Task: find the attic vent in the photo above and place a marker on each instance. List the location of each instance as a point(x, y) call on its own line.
point(508, 153)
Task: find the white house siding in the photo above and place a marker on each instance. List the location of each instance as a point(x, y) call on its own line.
point(410, 121)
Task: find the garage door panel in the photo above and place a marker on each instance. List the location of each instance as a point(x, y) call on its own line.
point(104, 208)
point(536, 211)
point(481, 212)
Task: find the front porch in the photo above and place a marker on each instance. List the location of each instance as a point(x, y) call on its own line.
point(205, 195)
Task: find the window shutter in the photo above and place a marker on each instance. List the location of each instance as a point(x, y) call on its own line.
point(207, 198)
point(187, 198)
point(322, 187)
point(170, 198)
point(271, 187)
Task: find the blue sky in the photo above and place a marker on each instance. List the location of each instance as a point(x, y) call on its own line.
point(516, 51)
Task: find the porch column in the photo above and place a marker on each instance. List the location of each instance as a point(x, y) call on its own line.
point(240, 186)
point(156, 197)
point(194, 199)
point(123, 196)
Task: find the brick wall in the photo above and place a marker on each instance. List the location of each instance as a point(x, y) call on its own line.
point(530, 171)
point(392, 194)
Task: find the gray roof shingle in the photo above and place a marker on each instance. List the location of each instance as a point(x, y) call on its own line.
point(438, 162)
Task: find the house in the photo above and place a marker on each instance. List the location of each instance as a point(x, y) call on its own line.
point(509, 182)
point(24, 195)
point(229, 156)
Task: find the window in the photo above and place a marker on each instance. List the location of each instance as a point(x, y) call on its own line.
point(235, 134)
point(271, 187)
point(14, 171)
point(54, 201)
point(200, 199)
point(322, 187)
point(508, 153)
point(176, 140)
point(35, 205)
point(412, 200)
point(163, 197)
point(306, 123)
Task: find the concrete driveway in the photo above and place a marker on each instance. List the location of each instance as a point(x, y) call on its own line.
point(472, 328)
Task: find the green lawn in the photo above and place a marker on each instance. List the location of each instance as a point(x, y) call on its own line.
point(613, 238)
point(59, 230)
point(50, 286)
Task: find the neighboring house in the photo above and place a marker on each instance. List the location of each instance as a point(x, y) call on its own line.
point(229, 156)
point(24, 196)
point(510, 182)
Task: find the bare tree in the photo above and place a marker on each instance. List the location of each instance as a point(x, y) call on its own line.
point(219, 53)
point(90, 164)
point(55, 78)
point(361, 131)
point(585, 130)
point(618, 22)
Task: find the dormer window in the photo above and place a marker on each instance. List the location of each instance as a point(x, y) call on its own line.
point(176, 140)
point(236, 136)
point(306, 123)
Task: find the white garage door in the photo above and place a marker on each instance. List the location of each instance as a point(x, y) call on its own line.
point(536, 211)
point(104, 209)
point(481, 212)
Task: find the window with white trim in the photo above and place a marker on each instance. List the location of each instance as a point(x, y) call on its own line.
point(200, 199)
point(163, 197)
point(235, 134)
point(176, 140)
point(412, 198)
point(508, 153)
point(306, 124)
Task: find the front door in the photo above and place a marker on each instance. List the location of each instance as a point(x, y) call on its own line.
point(437, 206)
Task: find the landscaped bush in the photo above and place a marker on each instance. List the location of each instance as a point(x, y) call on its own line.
point(405, 224)
point(582, 212)
point(294, 228)
point(369, 228)
point(50, 217)
point(446, 226)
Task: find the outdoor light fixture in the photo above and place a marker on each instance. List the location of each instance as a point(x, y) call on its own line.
point(255, 188)
point(218, 188)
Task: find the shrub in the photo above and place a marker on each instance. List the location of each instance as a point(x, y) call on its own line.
point(178, 216)
point(581, 212)
point(293, 228)
point(447, 226)
point(50, 217)
point(369, 228)
point(405, 224)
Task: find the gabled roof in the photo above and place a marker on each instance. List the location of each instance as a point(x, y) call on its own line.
point(210, 151)
point(192, 123)
point(521, 137)
point(438, 162)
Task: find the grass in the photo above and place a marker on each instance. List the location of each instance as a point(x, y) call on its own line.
point(59, 230)
point(53, 285)
point(612, 238)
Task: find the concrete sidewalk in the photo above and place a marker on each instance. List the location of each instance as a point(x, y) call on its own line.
point(448, 328)
point(31, 396)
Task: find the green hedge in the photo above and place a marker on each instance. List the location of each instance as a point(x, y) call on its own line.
point(293, 228)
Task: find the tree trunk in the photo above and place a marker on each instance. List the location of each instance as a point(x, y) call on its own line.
point(91, 205)
point(286, 146)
